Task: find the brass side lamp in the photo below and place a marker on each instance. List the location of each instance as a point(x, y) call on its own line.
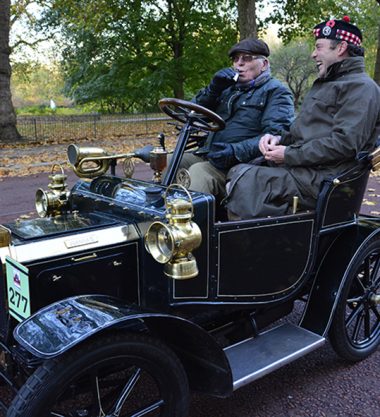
point(172, 244)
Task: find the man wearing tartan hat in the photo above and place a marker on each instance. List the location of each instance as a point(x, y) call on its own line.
point(340, 117)
point(339, 33)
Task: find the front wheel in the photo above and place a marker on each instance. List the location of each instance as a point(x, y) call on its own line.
point(116, 375)
point(355, 330)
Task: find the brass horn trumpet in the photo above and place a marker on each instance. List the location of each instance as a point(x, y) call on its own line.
point(91, 162)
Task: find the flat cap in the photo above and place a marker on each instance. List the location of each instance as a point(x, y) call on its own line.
point(251, 46)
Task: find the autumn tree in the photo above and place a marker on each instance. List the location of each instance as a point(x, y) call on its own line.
point(34, 84)
point(10, 13)
point(297, 18)
point(8, 130)
point(125, 55)
point(292, 64)
point(247, 20)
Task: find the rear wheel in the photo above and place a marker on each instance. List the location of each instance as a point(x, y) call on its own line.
point(113, 376)
point(355, 331)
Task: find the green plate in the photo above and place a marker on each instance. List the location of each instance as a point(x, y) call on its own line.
point(17, 289)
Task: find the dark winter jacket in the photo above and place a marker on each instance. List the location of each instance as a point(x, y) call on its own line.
point(339, 118)
point(249, 112)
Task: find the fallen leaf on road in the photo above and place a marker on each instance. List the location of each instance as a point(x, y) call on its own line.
point(369, 203)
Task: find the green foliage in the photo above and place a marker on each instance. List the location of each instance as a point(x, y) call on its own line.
point(292, 64)
point(126, 55)
point(298, 17)
point(34, 84)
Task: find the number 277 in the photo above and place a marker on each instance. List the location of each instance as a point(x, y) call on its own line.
point(16, 299)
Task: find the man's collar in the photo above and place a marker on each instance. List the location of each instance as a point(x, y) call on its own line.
point(257, 82)
point(343, 67)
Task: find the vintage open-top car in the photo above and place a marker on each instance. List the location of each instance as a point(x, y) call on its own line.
point(125, 294)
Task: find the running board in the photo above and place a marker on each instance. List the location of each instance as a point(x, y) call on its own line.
point(253, 358)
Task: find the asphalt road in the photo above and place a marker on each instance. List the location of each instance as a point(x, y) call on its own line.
point(317, 385)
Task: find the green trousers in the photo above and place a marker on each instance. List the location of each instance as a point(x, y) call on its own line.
point(205, 178)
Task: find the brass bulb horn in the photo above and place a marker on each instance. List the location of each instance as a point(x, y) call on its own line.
point(92, 162)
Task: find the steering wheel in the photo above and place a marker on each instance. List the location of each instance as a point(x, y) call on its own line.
point(182, 111)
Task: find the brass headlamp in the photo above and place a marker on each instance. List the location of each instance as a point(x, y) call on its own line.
point(5, 237)
point(171, 244)
point(54, 201)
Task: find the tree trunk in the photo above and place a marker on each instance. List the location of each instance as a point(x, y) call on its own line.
point(376, 76)
point(178, 80)
point(8, 130)
point(247, 18)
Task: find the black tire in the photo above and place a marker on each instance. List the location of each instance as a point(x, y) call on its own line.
point(355, 330)
point(140, 367)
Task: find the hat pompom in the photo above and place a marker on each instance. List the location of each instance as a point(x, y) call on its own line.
point(346, 19)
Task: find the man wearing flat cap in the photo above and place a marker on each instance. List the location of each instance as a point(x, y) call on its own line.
point(251, 103)
point(340, 117)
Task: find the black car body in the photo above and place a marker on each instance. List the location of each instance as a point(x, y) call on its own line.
point(91, 324)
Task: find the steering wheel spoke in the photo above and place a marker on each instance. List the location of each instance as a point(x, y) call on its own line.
point(188, 112)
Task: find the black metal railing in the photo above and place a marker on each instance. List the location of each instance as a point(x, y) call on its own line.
point(90, 126)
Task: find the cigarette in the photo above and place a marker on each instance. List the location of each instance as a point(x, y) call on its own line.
point(236, 77)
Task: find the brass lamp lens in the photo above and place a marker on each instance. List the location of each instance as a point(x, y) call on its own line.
point(42, 203)
point(164, 243)
point(159, 242)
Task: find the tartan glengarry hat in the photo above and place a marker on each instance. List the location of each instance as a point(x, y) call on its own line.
point(250, 46)
point(341, 30)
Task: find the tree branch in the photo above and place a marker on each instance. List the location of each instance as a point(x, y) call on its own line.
point(31, 44)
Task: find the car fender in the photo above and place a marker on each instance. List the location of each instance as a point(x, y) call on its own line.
point(332, 274)
point(61, 326)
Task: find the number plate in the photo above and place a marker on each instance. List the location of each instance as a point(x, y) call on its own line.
point(18, 289)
